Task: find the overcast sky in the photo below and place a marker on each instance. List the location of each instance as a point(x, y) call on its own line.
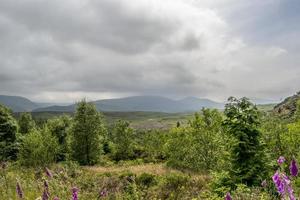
point(64, 50)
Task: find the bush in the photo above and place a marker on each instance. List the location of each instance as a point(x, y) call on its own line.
point(146, 180)
point(38, 149)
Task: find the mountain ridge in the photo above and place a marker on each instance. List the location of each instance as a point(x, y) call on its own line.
point(133, 103)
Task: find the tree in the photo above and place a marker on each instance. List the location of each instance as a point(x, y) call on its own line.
point(8, 131)
point(38, 148)
point(59, 127)
point(199, 146)
point(87, 131)
point(207, 131)
point(123, 137)
point(242, 122)
point(26, 123)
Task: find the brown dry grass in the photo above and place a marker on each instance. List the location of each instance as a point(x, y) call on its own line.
point(155, 169)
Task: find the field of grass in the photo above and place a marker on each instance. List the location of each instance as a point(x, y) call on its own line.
point(145, 181)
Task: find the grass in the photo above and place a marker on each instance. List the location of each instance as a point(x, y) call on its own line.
point(127, 181)
point(154, 169)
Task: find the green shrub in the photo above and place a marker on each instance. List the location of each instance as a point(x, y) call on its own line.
point(38, 148)
point(146, 180)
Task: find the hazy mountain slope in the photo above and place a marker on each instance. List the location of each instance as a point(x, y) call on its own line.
point(193, 103)
point(18, 104)
point(143, 103)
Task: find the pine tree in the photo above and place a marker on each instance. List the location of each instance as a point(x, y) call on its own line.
point(8, 131)
point(87, 131)
point(242, 122)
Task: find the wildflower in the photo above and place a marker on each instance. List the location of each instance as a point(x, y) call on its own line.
point(283, 185)
point(278, 182)
point(45, 195)
point(103, 193)
point(280, 160)
point(48, 173)
point(19, 190)
point(56, 198)
point(228, 196)
point(74, 193)
point(46, 185)
point(264, 183)
point(294, 168)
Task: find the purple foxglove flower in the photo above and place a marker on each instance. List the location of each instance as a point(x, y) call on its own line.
point(294, 168)
point(278, 183)
point(280, 160)
point(55, 198)
point(19, 190)
point(45, 195)
point(46, 185)
point(264, 183)
point(48, 173)
point(228, 196)
point(74, 193)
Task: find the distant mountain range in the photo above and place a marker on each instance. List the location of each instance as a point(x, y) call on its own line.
point(134, 103)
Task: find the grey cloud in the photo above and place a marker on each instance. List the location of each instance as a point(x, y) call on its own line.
point(170, 48)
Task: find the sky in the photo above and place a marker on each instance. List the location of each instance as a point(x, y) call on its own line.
point(65, 50)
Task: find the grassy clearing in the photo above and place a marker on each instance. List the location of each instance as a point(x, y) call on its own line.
point(155, 169)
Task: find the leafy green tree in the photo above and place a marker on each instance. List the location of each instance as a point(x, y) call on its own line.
point(59, 127)
point(202, 143)
point(274, 132)
point(38, 148)
point(242, 122)
point(87, 131)
point(209, 139)
point(123, 137)
point(26, 123)
point(8, 131)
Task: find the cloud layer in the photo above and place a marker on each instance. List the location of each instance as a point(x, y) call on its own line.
point(64, 50)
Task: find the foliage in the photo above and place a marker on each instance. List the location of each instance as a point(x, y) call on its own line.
point(26, 123)
point(122, 137)
point(153, 145)
point(87, 132)
point(202, 143)
point(8, 132)
point(242, 122)
point(38, 148)
point(59, 127)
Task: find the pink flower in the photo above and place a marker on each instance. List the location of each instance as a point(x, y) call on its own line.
point(280, 160)
point(75, 193)
point(228, 196)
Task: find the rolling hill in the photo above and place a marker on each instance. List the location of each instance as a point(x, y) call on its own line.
point(143, 103)
point(17, 103)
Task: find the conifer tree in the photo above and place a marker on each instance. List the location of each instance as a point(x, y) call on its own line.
point(87, 131)
point(242, 122)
